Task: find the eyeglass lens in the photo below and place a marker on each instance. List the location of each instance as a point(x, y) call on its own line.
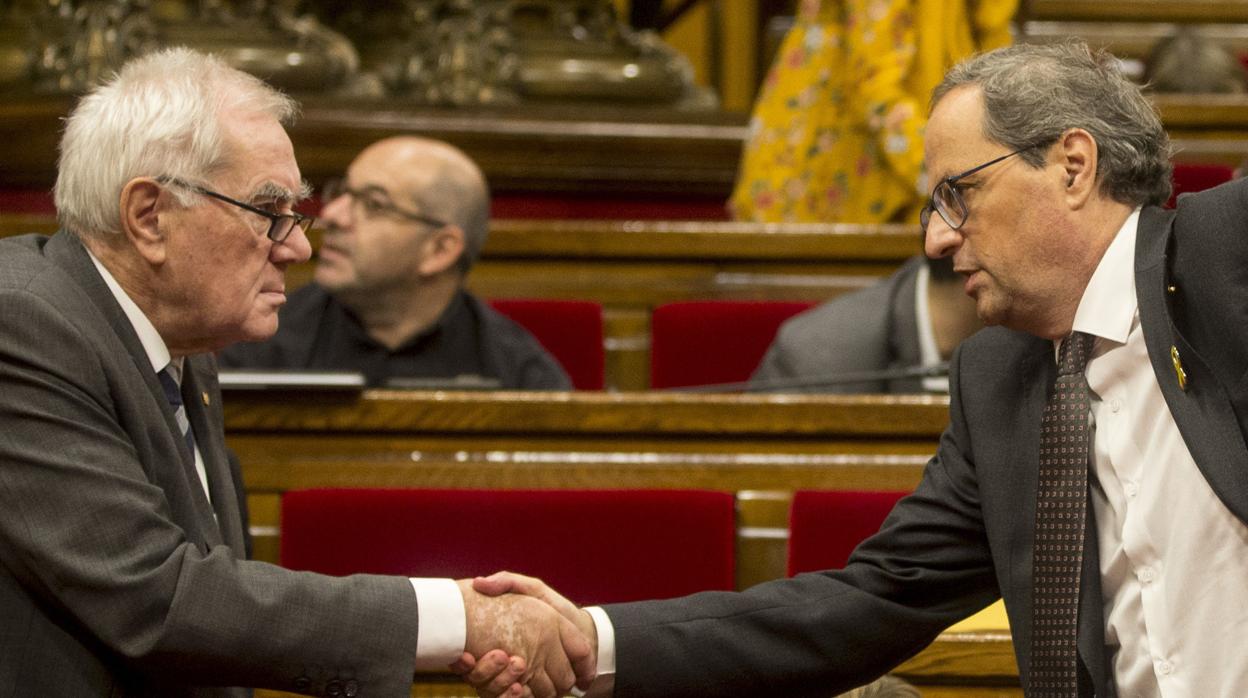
point(949, 204)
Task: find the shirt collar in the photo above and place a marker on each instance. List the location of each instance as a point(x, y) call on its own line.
point(155, 348)
point(1109, 305)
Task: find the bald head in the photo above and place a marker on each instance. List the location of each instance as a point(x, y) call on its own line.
point(436, 179)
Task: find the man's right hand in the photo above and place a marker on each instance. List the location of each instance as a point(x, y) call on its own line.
point(556, 654)
point(490, 677)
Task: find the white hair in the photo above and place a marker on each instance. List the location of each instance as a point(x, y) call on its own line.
point(158, 116)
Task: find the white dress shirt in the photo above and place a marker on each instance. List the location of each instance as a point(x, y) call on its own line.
point(1174, 559)
point(443, 626)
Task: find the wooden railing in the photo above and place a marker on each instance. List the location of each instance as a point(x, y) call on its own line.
point(1187, 11)
point(634, 153)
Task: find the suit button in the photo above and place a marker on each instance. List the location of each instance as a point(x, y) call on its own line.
point(333, 688)
point(302, 684)
point(351, 689)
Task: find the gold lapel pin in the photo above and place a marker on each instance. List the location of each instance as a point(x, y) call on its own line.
point(1179, 373)
point(207, 401)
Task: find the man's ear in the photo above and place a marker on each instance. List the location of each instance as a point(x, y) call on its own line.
point(441, 250)
point(1077, 153)
point(141, 208)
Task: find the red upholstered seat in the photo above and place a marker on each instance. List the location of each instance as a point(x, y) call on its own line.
point(1190, 177)
point(826, 526)
point(709, 342)
point(570, 330)
point(594, 546)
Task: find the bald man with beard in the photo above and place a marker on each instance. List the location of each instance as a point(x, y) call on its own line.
point(402, 230)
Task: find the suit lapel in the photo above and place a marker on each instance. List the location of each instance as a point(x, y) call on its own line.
point(203, 408)
point(1203, 412)
point(67, 251)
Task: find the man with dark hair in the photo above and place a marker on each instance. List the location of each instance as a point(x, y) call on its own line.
point(402, 231)
point(896, 329)
point(1094, 472)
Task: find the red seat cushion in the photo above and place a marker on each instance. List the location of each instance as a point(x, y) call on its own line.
point(826, 526)
point(594, 546)
point(570, 330)
point(711, 342)
point(1191, 177)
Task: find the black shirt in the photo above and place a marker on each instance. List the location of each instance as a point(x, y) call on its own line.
point(470, 339)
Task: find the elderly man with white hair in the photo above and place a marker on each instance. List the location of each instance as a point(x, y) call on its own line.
point(122, 565)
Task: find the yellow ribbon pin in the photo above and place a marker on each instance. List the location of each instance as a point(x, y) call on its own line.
point(1179, 373)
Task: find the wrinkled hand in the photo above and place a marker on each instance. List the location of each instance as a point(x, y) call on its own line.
point(490, 675)
point(548, 653)
point(495, 675)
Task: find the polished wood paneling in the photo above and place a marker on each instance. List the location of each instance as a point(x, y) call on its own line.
point(1140, 10)
point(629, 152)
point(577, 150)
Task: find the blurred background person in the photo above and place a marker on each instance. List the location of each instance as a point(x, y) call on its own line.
point(911, 320)
point(836, 134)
point(1190, 61)
point(402, 230)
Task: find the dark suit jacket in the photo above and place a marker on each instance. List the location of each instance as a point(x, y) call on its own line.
point(966, 534)
point(115, 580)
point(868, 330)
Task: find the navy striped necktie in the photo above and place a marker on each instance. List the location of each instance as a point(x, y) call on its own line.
point(173, 393)
point(1061, 514)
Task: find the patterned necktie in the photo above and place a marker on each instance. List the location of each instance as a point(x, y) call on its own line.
point(1061, 511)
point(173, 394)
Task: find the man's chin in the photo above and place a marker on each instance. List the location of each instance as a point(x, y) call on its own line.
point(988, 311)
point(259, 329)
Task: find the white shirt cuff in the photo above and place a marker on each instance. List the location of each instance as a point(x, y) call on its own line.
point(604, 683)
point(443, 630)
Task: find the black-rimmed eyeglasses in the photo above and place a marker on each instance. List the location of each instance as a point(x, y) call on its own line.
point(280, 224)
point(947, 200)
point(374, 201)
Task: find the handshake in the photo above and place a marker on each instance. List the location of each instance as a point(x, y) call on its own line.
point(524, 639)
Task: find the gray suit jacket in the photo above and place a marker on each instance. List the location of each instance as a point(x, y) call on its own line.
point(965, 536)
point(868, 330)
point(115, 580)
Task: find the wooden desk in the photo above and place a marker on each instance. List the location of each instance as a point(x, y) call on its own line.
point(760, 447)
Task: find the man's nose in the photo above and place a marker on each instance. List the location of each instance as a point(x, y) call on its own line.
point(294, 249)
point(940, 240)
point(336, 212)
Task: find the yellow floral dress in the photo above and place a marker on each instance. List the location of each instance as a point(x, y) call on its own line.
point(836, 134)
